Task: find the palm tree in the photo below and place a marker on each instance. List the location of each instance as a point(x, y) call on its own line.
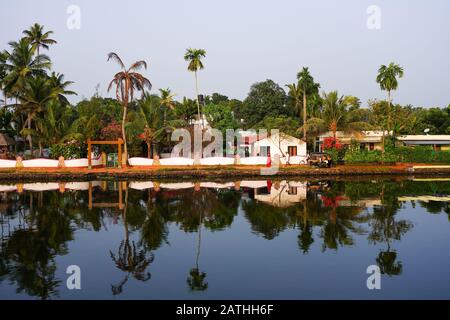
point(60, 87)
point(194, 56)
point(336, 116)
point(307, 86)
point(126, 81)
point(167, 101)
point(36, 94)
point(38, 38)
point(387, 79)
point(21, 64)
point(3, 58)
point(296, 94)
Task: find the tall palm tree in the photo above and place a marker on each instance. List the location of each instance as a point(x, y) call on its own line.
point(307, 85)
point(126, 81)
point(387, 79)
point(194, 56)
point(336, 116)
point(167, 101)
point(38, 38)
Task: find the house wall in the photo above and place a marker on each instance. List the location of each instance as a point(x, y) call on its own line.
point(275, 144)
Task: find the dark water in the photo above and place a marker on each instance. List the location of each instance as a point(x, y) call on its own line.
point(246, 240)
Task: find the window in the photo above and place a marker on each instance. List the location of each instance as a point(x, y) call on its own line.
point(292, 190)
point(372, 146)
point(265, 151)
point(292, 151)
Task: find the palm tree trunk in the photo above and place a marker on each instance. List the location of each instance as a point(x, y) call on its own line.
point(304, 114)
point(198, 102)
point(30, 141)
point(124, 118)
point(199, 241)
point(389, 113)
point(148, 150)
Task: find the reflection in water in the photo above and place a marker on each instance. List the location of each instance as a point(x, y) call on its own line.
point(38, 221)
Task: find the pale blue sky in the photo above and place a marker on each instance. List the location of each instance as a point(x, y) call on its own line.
point(248, 41)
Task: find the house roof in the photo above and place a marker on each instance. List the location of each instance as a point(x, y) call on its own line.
point(422, 137)
point(6, 140)
point(284, 137)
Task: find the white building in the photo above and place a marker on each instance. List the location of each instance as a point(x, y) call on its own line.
point(279, 144)
point(368, 140)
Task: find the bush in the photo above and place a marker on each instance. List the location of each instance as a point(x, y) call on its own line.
point(68, 150)
point(425, 154)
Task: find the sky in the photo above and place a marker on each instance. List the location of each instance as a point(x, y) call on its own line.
point(247, 41)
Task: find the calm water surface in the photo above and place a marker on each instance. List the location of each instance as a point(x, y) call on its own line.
point(235, 240)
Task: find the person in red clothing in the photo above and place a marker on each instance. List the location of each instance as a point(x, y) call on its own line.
point(269, 160)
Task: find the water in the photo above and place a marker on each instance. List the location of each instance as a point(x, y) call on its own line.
point(235, 240)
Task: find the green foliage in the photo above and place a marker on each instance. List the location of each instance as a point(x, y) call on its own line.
point(283, 123)
point(220, 116)
point(264, 99)
point(68, 150)
point(418, 154)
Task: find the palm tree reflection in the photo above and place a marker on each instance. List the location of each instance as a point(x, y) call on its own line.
point(129, 258)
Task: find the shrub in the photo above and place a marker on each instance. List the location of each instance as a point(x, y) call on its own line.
point(72, 150)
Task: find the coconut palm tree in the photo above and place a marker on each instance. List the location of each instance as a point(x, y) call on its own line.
point(60, 87)
point(336, 116)
point(296, 94)
point(307, 86)
point(38, 38)
point(387, 79)
point(194, 56)
point(21, 64)
point(3, 58)
point(126, 82)
point(167, 101)
point(35, 95)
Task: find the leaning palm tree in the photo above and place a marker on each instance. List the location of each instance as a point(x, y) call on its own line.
point(307, 85)
point(335, 116)
point(194, 56)
point(38, 38)
point(387, 79)
point(167, 101)
point(126, 82)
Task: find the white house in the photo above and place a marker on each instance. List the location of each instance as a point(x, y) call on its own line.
point(280, 144)
point(438, 141)
point(368, 140)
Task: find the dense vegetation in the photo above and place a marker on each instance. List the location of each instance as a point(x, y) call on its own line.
point(36, 108)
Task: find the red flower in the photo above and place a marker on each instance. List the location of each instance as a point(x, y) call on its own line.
point(332, 143)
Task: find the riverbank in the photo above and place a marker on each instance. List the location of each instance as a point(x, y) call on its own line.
point(217, 173)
